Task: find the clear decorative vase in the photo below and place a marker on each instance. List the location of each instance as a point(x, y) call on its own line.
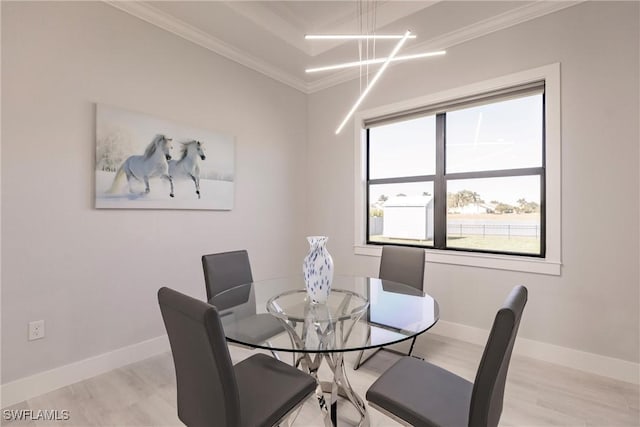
point(318, 270)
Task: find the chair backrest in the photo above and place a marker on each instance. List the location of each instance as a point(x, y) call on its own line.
point(403, 264)
point(488, 388)
point(225, 270)
point(206, 383)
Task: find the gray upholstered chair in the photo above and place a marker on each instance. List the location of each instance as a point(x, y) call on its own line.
point(259, 391)
point(228, 270)
point(420, 394)
point(402, 264)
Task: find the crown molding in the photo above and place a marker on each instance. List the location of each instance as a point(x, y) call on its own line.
point(290, 29)
point(462, 35)
point(180, 28)
point(285, 30)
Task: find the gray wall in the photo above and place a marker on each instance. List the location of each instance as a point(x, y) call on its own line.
point(93, 274)
point(594, 305)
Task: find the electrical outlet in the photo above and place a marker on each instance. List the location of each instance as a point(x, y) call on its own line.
point(36, 330)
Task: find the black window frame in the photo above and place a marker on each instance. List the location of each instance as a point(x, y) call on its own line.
point(441, 177)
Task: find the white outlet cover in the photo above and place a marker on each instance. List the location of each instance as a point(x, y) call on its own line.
point(36, 330)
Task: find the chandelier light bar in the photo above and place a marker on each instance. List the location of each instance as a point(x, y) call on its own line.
point(374, 61)
point(355, 37)
point(374, 80)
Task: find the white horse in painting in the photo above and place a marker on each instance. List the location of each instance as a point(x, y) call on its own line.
point(188, 166)
point(154, 162)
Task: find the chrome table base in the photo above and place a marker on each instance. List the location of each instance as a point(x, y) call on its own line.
point(327, 338)
point(339, 387)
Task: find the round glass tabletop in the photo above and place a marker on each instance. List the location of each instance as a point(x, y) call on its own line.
point(294, 306)
point(361, 313)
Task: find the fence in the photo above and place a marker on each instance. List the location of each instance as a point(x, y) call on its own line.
point(520, 230)
point(376, 227)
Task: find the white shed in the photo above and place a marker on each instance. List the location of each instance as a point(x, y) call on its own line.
point(408, 217)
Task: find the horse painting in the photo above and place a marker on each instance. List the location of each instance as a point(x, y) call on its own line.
point(188, 166)
point(153, 163)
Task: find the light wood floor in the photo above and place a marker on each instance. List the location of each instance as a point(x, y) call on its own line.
point(537, 393)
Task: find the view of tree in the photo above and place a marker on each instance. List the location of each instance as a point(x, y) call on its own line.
point(111, 149)
point(467, 197)
point(502, 208)
point(463, 198)
point(527, 207)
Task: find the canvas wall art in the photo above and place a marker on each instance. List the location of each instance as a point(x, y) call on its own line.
point(144, 162)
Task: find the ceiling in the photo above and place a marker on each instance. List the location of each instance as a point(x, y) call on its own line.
point(268, 36)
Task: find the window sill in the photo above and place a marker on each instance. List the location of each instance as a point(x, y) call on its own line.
point(470, 259)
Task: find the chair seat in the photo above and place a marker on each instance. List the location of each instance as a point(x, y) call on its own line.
point(257, 328)
point(423, 394)
point(265, 383)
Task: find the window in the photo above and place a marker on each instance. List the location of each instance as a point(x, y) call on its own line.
point(430, 183)
point(464, 175)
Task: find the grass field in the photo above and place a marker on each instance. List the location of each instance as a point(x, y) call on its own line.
point(471, 234)
point(520, 244)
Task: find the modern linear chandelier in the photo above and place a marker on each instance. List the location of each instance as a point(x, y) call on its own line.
point(367, 41)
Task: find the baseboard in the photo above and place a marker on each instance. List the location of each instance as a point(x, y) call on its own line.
point(44, 382)
point(605, 366)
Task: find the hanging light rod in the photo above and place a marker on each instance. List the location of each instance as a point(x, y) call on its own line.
point(374, 80)
point(355, 36)
point(374, 61)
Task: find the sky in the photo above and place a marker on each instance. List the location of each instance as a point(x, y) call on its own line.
point(502, 135)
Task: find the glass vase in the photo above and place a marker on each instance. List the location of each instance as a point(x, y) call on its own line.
point(318, 270)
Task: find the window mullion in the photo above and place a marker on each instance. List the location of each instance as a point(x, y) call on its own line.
point(402, 180)
point(543, 214)
point(440, 187)
point(500, 173)
point(368, 190)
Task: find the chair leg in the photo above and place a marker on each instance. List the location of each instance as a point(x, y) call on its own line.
point(411, 350)
point(293, 354)
point(360, 362)
point(413, 342)
point(275, 355)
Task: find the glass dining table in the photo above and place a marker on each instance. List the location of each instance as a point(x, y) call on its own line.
point(361, 313)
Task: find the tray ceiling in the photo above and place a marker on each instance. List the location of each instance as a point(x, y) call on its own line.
point(268, 36)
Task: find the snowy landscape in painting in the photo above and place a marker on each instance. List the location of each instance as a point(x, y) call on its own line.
point(143, 162)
